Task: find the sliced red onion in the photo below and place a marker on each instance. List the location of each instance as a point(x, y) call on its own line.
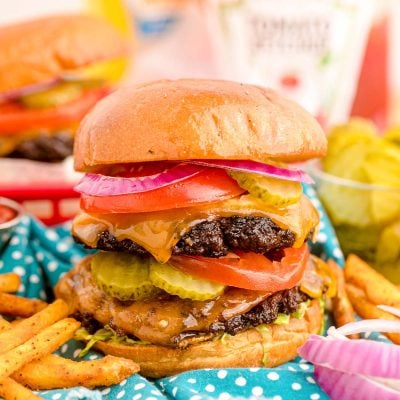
point(368, 325)
point(343, 386)
point(102, 185)
point(257, 168)
point(37, 87)
point(392, 310)
point(362, 356)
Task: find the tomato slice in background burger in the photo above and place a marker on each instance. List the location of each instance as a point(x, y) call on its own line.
point(203, 188)
point(248, 270)
point(16, 118)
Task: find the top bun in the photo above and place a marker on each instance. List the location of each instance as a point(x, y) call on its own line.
point(43, 49)
point(189, 119)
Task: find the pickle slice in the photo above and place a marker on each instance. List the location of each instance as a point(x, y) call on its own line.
point(123, 276)
point(273, 191)
point(186, 286)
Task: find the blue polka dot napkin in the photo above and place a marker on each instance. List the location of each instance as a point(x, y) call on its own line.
point(41, 255)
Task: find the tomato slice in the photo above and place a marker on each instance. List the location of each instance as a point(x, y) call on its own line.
point(209, 186)
point(248, 270)
point(15, 118)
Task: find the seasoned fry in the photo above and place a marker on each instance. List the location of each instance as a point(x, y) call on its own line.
point(9, 282)
point(19, 306)
point(343, 311)
point(47, 341)
point(56, 372)
point(29, 327)
point(368, 310)
point(3, 324)
point(376, 287)
point(11, 390)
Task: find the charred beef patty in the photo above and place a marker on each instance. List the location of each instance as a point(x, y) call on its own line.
point(48, 148)
point(215, 238)
point(169, 320)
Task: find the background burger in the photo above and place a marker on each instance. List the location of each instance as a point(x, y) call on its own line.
point(201, 224)
point(45, 84)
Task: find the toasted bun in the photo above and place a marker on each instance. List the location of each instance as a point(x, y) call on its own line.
point(205, 119)
point(43, 49)
point(252, 348)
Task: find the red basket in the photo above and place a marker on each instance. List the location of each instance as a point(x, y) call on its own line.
point(51, 204)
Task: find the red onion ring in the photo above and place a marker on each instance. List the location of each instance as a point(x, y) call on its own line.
point(257, 168)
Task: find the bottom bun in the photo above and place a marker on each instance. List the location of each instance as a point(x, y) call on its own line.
point(254, 347)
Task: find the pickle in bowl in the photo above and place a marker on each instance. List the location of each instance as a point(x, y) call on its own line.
point(359, 185)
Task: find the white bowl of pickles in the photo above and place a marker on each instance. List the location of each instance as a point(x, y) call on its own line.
point(359, 184)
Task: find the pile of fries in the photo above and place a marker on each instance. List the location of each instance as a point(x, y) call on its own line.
point(367, 289)
point(32, 331)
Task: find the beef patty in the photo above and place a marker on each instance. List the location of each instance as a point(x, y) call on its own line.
point(169, 320)
point(216, 238)
point(48, 148)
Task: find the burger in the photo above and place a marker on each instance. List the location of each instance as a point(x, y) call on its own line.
point(48, 81)
point(201, 225)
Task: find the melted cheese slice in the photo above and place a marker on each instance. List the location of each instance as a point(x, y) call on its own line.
point(158, 232)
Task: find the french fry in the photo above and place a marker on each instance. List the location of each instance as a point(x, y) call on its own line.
point(343, 311)
point(29, 327)
point(3, 324)
point(19, 306)
point(11, 390)
point(368, 310)
point(55, 372)
point(9, 282)
point(376, 287)
point(44, 343)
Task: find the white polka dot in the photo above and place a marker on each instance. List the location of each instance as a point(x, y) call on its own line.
point(1, 264)
point(34, 278)
point(39, 256)
point(224, 396)
point(14, 241)
point(222, 373)
point(196, 397)
point(74, 259)
point(151, 398)
point(51, 235)
point(122, 383)
point(139, 386)
point(273, 376)
point(192, 380)
point(5, 237)
point(240, 381)
point(172, 379)
point(304, 367)
point(16, 255)
point(310, 379)
point(21, 288)
point(19, 270)
point(76, 352)
point(56, 396)
point(290, 368)
point(337, 252)
point(29, 259)
point(62, 247)
point(137, 396)
point(64, 348)
point(52, 266)
point(277, 397)
point(155, 392)
point(254, 369)
point(42, 294)
point(257, 391)
point(106, 391)
point(322, 237)
point(93, 357)
point(210, 388)
point(174, 390)
point(121, 394)
point(22, 230)
point(296, 386)
point(315, 396)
